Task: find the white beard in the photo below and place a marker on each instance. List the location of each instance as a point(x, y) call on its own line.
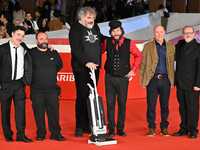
point(187, 40)
point(89, 26)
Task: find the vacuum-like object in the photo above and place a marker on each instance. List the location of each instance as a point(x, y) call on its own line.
point(97, 117)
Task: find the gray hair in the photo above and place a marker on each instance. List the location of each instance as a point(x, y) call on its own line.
point(187, 27)
point(84, 10)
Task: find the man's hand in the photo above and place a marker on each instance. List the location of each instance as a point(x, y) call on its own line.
point(91, 65)
point(51, 48)
point(0, 87)
point(143, 86)
point(131, 73)
point(196, 88)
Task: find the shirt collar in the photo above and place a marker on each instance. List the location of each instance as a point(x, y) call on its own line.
point(120, 41)
point(163, 44)
point(11, 45)
point(189, 43)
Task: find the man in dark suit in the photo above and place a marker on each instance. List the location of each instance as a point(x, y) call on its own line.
point(13, 77)
point(187, 80)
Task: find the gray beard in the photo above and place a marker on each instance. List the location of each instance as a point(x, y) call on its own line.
point(187, 40)
point(88, 26)
point(43, 45)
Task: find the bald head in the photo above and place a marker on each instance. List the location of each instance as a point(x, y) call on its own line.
point(159, 33)
point(158, 26)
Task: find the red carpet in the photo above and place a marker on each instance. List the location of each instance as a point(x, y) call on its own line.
point(136, 129)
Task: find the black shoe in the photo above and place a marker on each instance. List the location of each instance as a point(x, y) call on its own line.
point(193, 135)
point(111, 133)
point(58, 137)
point(40, 138)
point(181, 133)
point(79, 133)
point(121, 133)
point(24, 139)
point(9, 139)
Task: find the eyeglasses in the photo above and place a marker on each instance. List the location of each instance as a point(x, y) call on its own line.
point(188, 33)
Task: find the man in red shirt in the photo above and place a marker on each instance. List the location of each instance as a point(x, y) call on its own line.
point(118, 70)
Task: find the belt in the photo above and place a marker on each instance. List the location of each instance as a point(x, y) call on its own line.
point(160, 76)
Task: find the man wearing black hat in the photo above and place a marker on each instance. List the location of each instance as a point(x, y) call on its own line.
point(118, 71)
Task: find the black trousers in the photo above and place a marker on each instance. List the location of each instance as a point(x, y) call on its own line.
point(82, 78)
point(188, 109)
point(49, 102)
point(157, 87)
point(13, 90)
point(116, 88)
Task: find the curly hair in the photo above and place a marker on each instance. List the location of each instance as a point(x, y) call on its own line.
point(84, 10)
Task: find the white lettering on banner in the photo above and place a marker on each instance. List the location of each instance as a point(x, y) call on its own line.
point(64, 76)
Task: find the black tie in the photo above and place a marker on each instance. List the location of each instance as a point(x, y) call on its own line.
point(15, 71)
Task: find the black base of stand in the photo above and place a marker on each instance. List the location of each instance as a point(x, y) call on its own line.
point(101, 139)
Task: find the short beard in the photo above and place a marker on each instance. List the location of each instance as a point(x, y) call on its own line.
point(117, 40)
point(43, 45)
point(88, 26)
point(188, 40)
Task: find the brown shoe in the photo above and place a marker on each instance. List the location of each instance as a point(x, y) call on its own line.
point(151, 132)
point(164, 132)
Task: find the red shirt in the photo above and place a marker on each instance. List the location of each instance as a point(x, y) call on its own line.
point(133, 50)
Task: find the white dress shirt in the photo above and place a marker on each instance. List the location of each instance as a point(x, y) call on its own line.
point(20, 60)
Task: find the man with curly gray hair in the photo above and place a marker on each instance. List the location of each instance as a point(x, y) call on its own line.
point(90, 12)
point(85, 41)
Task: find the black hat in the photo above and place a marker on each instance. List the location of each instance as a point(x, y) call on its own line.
point(114, 24)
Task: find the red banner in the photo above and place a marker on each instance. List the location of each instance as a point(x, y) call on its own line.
point(66, 78)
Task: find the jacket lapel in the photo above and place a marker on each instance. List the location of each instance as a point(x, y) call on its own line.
point(154, 53)
point(167, 50)
point(9, 53)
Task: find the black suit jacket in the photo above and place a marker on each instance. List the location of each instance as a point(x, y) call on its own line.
point(6, 65)
point(187, 73)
